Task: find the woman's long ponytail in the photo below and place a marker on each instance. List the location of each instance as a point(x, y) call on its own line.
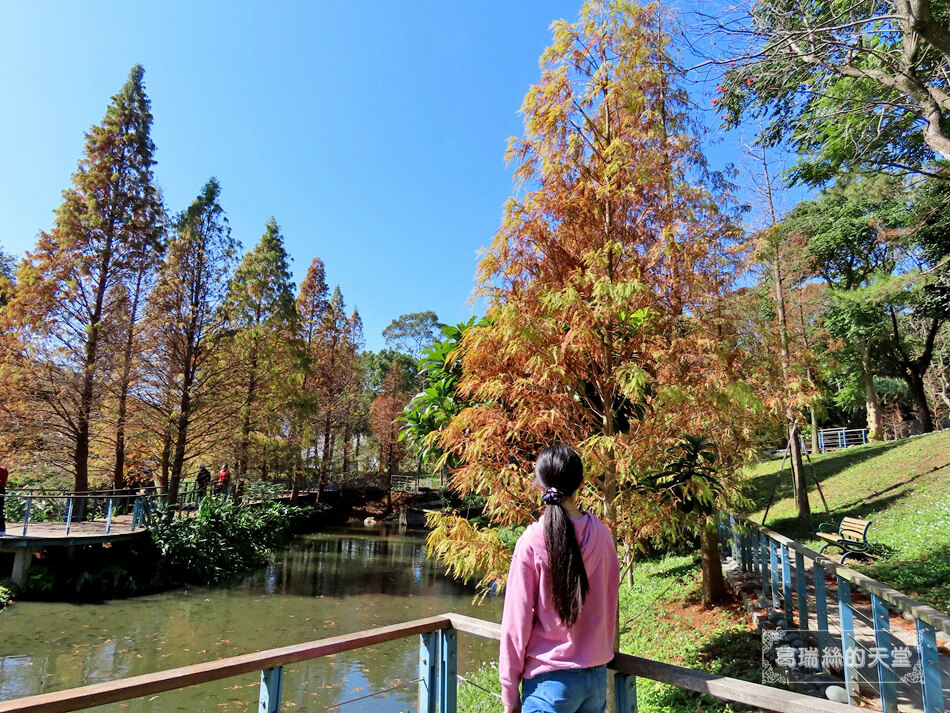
point(560, 471)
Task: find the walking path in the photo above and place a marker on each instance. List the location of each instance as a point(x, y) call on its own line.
point(902, 631)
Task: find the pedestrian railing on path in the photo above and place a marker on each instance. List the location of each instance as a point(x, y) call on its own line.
point(833, 439)
point(438, 677)
point(863, 621)
point(35, 507)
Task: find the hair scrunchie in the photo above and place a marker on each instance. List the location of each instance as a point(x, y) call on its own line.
point(552, 496)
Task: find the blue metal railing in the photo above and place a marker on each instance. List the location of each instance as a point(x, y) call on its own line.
point(832, 439)
point(438, 676)
point(31, 506)
point(766, 557)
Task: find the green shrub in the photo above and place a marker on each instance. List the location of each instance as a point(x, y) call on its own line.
point(222, 539)
point(7, 591)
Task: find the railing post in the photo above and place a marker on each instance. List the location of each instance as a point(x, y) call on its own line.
point(26, 517)
point(747, 551)
point(69, 514)
point(849, 646)
point(773, 564)
point(930, 686)
point(733, 543)
point(272, 681)
point(448, 670)
point(764, 562)
point(756, 554)
point(136, 512)
point(108, 515)
point(801, 587)
point(882, 649)
point(787, 586)
point(821, 607)
point(428, 643)
point(625, 693)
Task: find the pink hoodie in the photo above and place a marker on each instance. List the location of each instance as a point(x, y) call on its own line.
point(533, 639)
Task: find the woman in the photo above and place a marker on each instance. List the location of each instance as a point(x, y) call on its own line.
point(559, 621)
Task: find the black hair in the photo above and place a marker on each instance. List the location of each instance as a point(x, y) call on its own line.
point(560, 472)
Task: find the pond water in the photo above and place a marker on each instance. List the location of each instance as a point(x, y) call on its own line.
point(322, 585)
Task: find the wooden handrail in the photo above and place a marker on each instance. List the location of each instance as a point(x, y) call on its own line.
point(730, 689)
point(896, 599)
point(147, 684)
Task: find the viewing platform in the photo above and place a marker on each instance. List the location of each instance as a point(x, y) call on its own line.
point(438, 678)
point(47, 518)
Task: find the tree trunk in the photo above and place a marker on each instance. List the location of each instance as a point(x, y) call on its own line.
point(162, 483)
point(347, 436)
point(327, 448)
point(814, 430)
point(714, 585)
point(125, 381)
point(181, 438)
point(296, 472)
point(81, 451)
point(915, 383)
point(872, 403)
point(799, 484)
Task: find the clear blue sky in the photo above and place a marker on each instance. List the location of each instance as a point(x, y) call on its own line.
point(374, 132)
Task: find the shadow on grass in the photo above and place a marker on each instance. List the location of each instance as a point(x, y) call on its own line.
point(676, 571)
point(926, 578)
point(826, 467)
point(866, 510)
point(733, 653)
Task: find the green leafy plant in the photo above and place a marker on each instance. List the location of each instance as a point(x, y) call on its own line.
point(222, 539)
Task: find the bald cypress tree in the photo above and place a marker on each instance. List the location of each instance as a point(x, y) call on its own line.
point(186, 327)
point(264, 346)
point(69, 314)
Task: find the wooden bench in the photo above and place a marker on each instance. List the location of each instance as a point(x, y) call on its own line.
point(851, 537)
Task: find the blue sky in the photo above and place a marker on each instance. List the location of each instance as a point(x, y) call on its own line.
point(374, 132)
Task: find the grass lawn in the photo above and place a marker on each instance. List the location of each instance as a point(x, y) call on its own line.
point(902, 486)
point(661, 618)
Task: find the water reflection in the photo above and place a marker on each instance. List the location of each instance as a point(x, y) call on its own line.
point(323, 585)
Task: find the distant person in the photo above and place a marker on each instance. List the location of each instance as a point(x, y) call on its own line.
point(203, 480)
point(3, 500)
point(223, 486)
point(560, 614)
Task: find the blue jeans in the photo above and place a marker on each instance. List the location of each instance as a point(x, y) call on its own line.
point(576, 690)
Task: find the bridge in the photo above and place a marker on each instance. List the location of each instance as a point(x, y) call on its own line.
point(55, 518)
point(438, 678)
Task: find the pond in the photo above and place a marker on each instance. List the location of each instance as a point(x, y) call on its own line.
point(322, 585)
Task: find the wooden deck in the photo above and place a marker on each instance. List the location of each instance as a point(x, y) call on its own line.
point(53, 534)
point(40, 535)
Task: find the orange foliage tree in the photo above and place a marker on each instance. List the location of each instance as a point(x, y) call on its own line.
point(606, 292)
point(384, 419)
point(71, 319)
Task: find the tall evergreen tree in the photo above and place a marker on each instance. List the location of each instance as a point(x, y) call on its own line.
point(186, 325)
point(71, 305)
point(311, 306)
point(264, 344)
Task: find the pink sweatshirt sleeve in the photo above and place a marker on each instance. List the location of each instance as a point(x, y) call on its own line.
point(516, 621)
